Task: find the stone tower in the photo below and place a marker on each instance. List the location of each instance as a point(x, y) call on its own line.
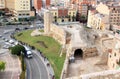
point(47, 22)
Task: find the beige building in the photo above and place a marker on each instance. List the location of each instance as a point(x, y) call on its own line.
point(19, 8)
point(112, 9)
point(103, 9)
point(2, 4)
point(62, 14)
point(97, 20)
point(115, 15)
point(114, 55)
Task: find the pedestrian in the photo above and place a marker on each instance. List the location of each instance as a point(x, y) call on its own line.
point(48, 64)
point(44, 58)
point(53, 77)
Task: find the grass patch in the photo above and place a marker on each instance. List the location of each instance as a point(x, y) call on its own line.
point(41, 30)
point(51, 52)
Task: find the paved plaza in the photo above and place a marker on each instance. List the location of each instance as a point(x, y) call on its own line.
point(13, 67)
point(85, 66)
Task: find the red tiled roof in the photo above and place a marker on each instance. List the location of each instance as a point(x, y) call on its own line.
point(62, 12)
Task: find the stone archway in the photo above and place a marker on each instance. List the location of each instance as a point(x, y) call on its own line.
point(78, 53)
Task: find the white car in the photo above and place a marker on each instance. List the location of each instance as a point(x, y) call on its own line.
point(0, 36)
point(6, 40)
point(6, 46)
point(11, 41)
point(5, 32)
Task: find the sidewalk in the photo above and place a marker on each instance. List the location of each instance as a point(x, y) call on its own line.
point(13, 66)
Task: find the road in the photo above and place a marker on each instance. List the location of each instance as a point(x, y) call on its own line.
point(36, 69)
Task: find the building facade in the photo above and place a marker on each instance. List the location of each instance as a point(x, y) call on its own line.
point(115, 15)
point(94, 20)
point(19, 8)
point(83, 5)
point(61, 14)
point(38, 4)
point(2, 4)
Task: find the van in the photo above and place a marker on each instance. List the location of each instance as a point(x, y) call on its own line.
point(28, 52)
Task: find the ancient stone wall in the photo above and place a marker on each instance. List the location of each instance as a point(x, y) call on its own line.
point(58, 34)
point(90, 52)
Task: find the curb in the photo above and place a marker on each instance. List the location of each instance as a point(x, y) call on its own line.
point(45, 63)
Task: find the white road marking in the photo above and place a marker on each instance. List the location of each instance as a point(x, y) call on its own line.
point(30, 69)
point(38, 67)
point(43, 63)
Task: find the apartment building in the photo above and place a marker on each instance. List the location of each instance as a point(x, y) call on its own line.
point(97, 20)
point(2, 4)
point(115, 15)
point(38, 4)
point(19, 8)
point(114, 53)
point(62, 14)
point(83, 5)
point(103, 9)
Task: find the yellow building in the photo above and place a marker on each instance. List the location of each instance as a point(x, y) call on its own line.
point(103, 9)
point(2, 4)
point(61, 14)
point(114, 54)
point(97, 20)
point(19, 8)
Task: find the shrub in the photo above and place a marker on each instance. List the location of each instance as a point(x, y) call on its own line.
point(2, 65)
point(16, 50)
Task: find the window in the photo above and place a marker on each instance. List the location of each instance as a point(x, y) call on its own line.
point(27, 14)
point(110, 56)
point(114, 54)
point(55, 13)
point(69, 12)
point(113, 65)
point(73, 12)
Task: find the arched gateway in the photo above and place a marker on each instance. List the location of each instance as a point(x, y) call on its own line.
point(78, 53)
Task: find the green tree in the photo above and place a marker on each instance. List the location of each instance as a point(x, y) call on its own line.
point(69, 18)
point(2, 65)
point(83, 18)
point(16, 50)
point(73, 18)
point(55, 18)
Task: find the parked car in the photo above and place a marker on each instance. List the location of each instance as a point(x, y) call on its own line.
point(11, 41)
point(25, 28)
point(6, 32)
point(0, 36)
point(3, 38)
point(5, 46)
point(6, 40)
point(17, 29)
